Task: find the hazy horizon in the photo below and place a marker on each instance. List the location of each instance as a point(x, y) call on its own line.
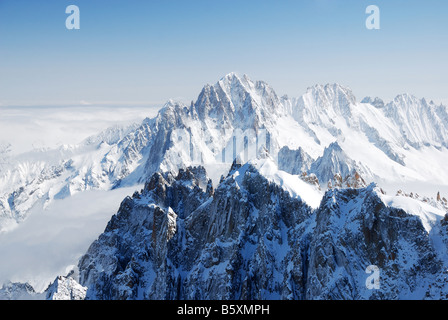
point(147, 52)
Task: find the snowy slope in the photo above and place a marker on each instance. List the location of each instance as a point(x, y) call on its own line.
point(252, 237)
point(296, 187)
point(402, 142)
point(255, 214)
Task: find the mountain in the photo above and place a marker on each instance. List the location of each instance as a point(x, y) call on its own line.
point(65, 288)
point(181, 240)
point(18, 291)
point(421, 123)
point(376, 102)
point(335, 161)
point(261, 234)
point(294, 161)
point(237, 116)
point(300, 210)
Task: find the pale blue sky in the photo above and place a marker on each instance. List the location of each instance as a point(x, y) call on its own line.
point(146, 52)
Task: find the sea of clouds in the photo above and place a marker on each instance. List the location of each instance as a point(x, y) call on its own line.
point(28, 128)
point(51, 241)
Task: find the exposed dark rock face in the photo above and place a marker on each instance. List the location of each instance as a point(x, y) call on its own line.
point(178, 240)
point(294, 161)
point(249, 239)
point(354, 229)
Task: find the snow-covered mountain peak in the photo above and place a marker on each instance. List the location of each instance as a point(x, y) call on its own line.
point(376, 102)
point(65, 288)
point(335, 161)
point(266, 167)
point(253, 232)
point(171, 104)
point(236, 98)
point(323, 136)
point(236, 88)
point(233, 79)
point(329, 94)
point(170, 107)
point(409, 103)
point(17, 291)
point(333, 148)
point(420, 123)
point(334, 152)
point(111, 135)
point(323, 104)
point(235, 113)
point(407, 100)
point(294, 161)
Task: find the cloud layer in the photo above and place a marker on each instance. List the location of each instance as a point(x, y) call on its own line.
point(27, 128)
point(50, 241)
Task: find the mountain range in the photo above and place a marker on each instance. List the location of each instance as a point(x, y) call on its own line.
point(249, 195)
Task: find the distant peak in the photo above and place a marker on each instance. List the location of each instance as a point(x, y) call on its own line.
point(234, 80)
point(231, 76)
point(406, 97)
point(330, 86)
point(407, 100)
point(334, 146)
point(332, 90)
point(171, 103)
point(376, 102)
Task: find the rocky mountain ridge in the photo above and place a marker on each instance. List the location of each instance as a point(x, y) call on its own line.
point(389, 136)
point(249, 238)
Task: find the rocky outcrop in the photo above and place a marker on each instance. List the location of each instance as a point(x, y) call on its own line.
point(234, 107)
point(439, 202)
point(65, 288)
point(238, 242)
point(311, 179)
point(354, 181)
point(294, 161)
point(334, 164)
point(355, 229)
point(248, 238)
point(376, 102)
